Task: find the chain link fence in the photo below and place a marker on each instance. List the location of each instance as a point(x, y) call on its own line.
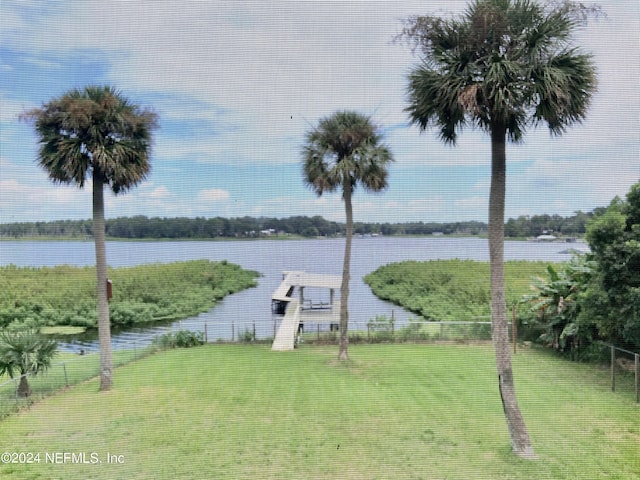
point(69, 369)
point(76, 365)
point(624, 366)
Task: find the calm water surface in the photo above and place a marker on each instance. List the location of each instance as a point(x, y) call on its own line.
point(271, 258)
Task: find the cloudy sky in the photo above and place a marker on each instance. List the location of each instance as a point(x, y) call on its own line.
point(237, 84)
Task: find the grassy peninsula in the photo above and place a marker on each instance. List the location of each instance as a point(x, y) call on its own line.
point(449, 289)
point(66, 295)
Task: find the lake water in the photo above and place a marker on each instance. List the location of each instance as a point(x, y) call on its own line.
point(271, 257)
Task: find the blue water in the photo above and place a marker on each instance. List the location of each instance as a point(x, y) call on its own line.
point(239, 312)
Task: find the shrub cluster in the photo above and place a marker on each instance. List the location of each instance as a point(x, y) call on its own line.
point(181, 339)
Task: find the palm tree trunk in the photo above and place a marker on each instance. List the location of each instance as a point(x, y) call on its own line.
point(104, 327)
point(343, 353)
point(520, 442)
point(24, 389)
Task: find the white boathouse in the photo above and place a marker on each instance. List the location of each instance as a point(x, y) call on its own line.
point(301, 310)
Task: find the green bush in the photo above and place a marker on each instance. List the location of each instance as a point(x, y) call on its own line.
point(181, 339)
point(247, 336)
point(381, 329)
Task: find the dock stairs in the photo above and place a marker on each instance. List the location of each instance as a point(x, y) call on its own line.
point(286, 335)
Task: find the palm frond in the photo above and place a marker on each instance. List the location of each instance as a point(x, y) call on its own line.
point(95, 131)
point(502, 61)
point(345, 147)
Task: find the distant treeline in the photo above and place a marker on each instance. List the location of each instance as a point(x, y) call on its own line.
point(249, 227)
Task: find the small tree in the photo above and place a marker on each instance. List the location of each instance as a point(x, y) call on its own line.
point(25, 353)
point(612, 301)
point(555, 305)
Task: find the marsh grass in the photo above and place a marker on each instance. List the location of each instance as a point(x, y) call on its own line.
point(393, 411)
point(64, 296)
point(450, 289)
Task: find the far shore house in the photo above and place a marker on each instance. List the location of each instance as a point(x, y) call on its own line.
point(546, 238)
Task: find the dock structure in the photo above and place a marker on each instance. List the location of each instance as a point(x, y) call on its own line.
point(301, 311)
point(286, 334)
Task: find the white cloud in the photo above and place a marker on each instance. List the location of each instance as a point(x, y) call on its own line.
point(472, 202)
point(213, 195)
point(19, 201)
point(241, 82)
point(10, 109)
point(161, 192)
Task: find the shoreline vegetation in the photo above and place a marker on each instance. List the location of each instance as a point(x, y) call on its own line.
point(450, 290)
point(61, 299)
point(64, 296)
point(300, 227)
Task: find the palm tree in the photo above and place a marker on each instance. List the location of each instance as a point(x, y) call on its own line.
point(95, 132)
point(501, 66)
point(25, 353)
point(345, 149)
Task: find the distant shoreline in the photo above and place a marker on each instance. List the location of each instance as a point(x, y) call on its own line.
point(292, 237)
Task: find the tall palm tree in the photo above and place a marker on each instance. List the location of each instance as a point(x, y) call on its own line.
point(501, 66)
point(343, 151)
point(97, 133)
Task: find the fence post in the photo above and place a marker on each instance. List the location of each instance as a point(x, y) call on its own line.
point(613, 368)
point(206, 337)
point(637, 358)
point(233, 335)
point(254, 330)
point(514, 329)
point(66, 378)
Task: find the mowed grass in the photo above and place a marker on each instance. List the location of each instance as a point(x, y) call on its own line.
point(393, 412)
point(66, 369)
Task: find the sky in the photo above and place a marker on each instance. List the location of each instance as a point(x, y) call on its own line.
point(236, 85)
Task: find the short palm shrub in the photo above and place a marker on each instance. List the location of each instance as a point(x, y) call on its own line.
point(25, 353)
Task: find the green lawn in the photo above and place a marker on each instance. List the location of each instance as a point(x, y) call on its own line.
point(393, 412)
